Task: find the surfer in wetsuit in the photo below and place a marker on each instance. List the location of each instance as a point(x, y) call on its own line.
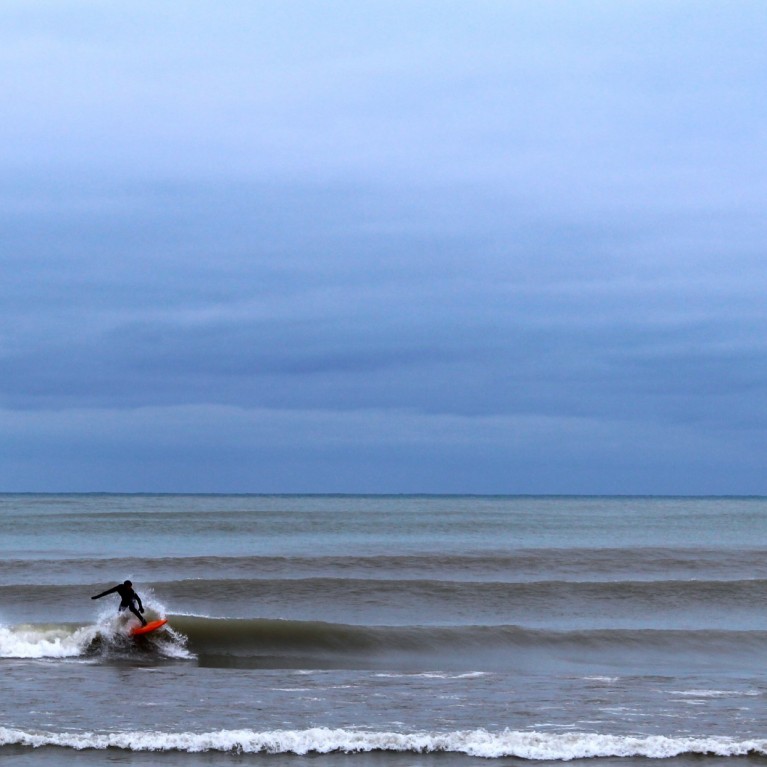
point(128, 597)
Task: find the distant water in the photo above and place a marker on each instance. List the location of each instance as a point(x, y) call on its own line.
point(384, 630)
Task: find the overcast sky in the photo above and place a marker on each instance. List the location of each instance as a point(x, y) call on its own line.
point(427, 246)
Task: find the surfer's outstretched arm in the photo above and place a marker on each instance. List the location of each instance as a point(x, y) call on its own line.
point(104, 593)
point(138, 599)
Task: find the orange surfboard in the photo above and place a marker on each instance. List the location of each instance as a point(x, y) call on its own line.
point(151, 626)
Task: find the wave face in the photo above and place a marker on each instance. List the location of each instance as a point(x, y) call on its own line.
point(269, 643)
point(261, 643)
point(106, 640)
point(320, 740)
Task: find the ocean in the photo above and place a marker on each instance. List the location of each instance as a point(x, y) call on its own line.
point(384, 631)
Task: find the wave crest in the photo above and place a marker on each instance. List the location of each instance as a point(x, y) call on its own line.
point(107, 638)
point(321, 740)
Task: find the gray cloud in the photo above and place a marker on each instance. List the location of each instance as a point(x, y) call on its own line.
point(539, 226)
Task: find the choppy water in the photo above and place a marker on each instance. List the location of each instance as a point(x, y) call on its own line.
point(394, 630)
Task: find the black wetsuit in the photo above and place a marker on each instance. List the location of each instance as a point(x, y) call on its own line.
point(127, 596)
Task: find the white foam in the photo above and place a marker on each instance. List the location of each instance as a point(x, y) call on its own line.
point(714, 693)
point(71, 641)
point(432, 675)
point(27, 641)
point(320, 740)
point(443, 675)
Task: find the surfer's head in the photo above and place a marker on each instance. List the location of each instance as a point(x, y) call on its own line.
point(127, 583)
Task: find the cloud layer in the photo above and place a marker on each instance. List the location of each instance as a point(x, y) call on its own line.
point(391, 248)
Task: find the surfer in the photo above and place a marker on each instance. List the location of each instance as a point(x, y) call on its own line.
point(128, 599)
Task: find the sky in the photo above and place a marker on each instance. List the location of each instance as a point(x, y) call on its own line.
point(497, 246)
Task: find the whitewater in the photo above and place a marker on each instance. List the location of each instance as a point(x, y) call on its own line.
point(319, 740)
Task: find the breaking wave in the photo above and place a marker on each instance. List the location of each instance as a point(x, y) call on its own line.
point(278, 643)
point(321, 740)
point(108, 638)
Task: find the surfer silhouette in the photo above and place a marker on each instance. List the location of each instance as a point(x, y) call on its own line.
point(128, 599)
